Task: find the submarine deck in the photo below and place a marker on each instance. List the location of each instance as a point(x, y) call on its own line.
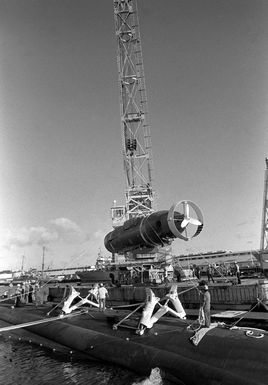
point(222, 356)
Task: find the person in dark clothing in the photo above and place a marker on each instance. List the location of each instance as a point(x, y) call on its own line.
point(210, 273)
point(197, 272)
point(237, 273)
point(30, 295)
point(17, 296)
point(206, 303)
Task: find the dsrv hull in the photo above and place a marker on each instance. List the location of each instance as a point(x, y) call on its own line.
point(145, 234)
point(223, 356)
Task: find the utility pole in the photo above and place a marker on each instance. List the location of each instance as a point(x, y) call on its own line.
point(43, 261)
point(22, 262)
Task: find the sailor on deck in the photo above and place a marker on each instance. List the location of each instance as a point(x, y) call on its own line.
point(237, 273)
point(103, 293)
point(94, 293)
point(210, 273)
point(17, 296)
point(205, 303)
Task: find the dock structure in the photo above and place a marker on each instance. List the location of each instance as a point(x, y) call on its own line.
point(228, 296)
point(224, 296)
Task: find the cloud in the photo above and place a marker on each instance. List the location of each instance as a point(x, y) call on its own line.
point(57, 230)
point(64, 224)
point(68, 230)
point(99, 234)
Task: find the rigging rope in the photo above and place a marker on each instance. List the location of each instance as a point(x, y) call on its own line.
point(41, 321)
point(236, 322)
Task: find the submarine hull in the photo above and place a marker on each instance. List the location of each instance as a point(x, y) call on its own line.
point(223, 356)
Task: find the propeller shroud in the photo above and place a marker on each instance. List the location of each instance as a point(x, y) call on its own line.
point(184, 208)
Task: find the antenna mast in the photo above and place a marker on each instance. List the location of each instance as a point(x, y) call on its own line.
point(135, 131)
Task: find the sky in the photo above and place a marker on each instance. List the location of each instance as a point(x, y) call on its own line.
point(61, 163)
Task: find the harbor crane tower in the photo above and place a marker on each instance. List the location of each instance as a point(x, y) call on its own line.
point(264, 227)
point(135, 130)
point(140, 232)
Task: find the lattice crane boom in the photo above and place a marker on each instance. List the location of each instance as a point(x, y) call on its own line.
point(135, 130)
point(264, 228)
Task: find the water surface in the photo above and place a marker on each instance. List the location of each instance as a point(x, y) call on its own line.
point(24, 362)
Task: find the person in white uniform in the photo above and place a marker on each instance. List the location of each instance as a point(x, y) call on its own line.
point(103, 294)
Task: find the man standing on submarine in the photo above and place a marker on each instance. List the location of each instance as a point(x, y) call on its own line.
point(206, 299)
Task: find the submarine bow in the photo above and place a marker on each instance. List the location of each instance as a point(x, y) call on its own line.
point(183, 220)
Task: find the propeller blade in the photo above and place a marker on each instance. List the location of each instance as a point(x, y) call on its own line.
point(195, 222)
point(185, 222)
point(186, 209)
point(192, 221)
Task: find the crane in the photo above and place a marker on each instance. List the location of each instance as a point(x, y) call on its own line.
point(135, 130)
point(139, 230)
point(264, 226)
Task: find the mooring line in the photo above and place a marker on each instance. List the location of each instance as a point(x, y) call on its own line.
point(41, 321)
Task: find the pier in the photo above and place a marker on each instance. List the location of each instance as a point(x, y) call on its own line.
point(224, 296)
